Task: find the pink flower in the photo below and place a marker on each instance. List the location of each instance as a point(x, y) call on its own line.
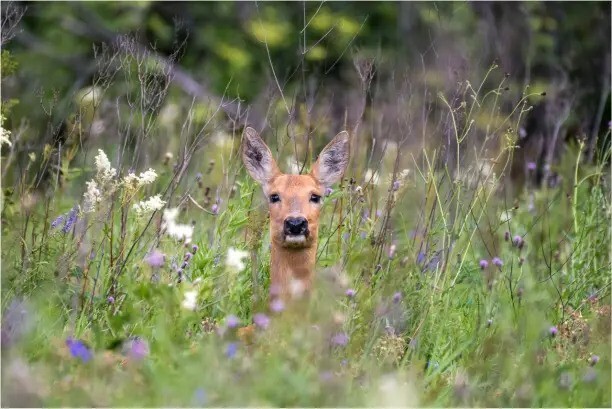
point(155, 259)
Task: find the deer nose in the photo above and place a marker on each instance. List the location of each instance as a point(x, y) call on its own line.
point(296, 226)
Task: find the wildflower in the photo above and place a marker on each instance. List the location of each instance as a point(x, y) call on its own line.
point(174, 229)
point(261, 320)
point(152, 204)
point(392, 249)
point(497, 262)
point(371, 176)
point(92, 196)
point(198, 176)
point(397, 297)
point(328, 191)
point(214, 209)
point(110, 299)
point(489, 322)
point(234, 259)
point(420, 258)
point(484, 264)
point(396, 185)
point(518, 241)
point(277, 305)
point(190, 301)
point(70, 220)
point(188, 257)
point(232, 321)
point(184, 265)
point(589, 376)
point(155, 259)
point(593, 360)
point(340, 339)
point(17, 321)
point(57, 221)
point(194, 249)
point(553, 331)
point(231, 349)
point(136, 348)
point(531, 166)
point(199, 397)
point(103, 165)
point(4, 135)
point(79, 350)
point(350, 293)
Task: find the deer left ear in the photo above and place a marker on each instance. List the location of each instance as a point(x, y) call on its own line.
point(333, 160)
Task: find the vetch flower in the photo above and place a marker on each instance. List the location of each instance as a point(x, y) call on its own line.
point(234, 259)
point(261, 320)
point(79, 350)
point(155, 259)
point(190, 301)
point(70, 220)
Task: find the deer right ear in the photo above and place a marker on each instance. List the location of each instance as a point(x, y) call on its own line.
point(257, 157)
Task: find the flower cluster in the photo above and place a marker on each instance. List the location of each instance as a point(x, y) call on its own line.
point(176, 230)
point(148, 206)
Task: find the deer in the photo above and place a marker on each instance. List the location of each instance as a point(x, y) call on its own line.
point(294, 205)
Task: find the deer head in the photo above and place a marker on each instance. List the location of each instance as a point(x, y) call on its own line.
point(295, 204)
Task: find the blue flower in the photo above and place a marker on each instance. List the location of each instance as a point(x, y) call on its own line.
point(70, 220)
point(79, 350)
point(58, 220)
point(231, 349)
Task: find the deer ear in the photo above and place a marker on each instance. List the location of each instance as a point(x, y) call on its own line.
point(257, 157)
point(333, 160)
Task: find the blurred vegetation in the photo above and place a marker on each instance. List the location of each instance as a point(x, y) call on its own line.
point(480, 133)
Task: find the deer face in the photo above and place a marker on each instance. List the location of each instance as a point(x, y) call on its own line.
point(294, 200)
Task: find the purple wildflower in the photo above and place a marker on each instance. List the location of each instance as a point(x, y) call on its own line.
point(553, 331)
point(363, 235)
point(136, 348)
point(188, 256)
point(518, 241)
point(350, 293)
point(277, 305)
point(214, 209)
point(70, 220)
point(194, 249)
point(340, 339)
point(420, 258)
point(593, 360)
point(231, 349)
point(110, 299)
point(199, 397)
point(397, 297)
point(79, 350)
point(396, 185)
point(497, 261)
point(590, 375)
point(484, 264)
point(184, 265)
point(378, 214)
point(531, 166)
point(232, 321)
point(261, 320)
point(328, 191)
point(58, 220)
point(392, 249)
point(155, 259)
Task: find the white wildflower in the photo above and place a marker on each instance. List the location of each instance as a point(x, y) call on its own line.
point(174, 229)
point(92, 196)
point(191, 300)
point(5, 137)
point(150, 205)
point(103, 165)
point(145, 178)
point(372, 177)
point(234, 259)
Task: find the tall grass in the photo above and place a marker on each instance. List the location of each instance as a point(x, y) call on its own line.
point(438, 283)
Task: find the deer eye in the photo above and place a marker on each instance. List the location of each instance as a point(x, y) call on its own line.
point(315, 198)
point(274, 198)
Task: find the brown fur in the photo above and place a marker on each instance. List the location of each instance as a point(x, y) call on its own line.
point(292, 264)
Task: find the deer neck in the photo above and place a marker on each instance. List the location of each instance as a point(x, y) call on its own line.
point(291, 270)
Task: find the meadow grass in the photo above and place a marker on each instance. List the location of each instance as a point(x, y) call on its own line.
point(435, 285)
